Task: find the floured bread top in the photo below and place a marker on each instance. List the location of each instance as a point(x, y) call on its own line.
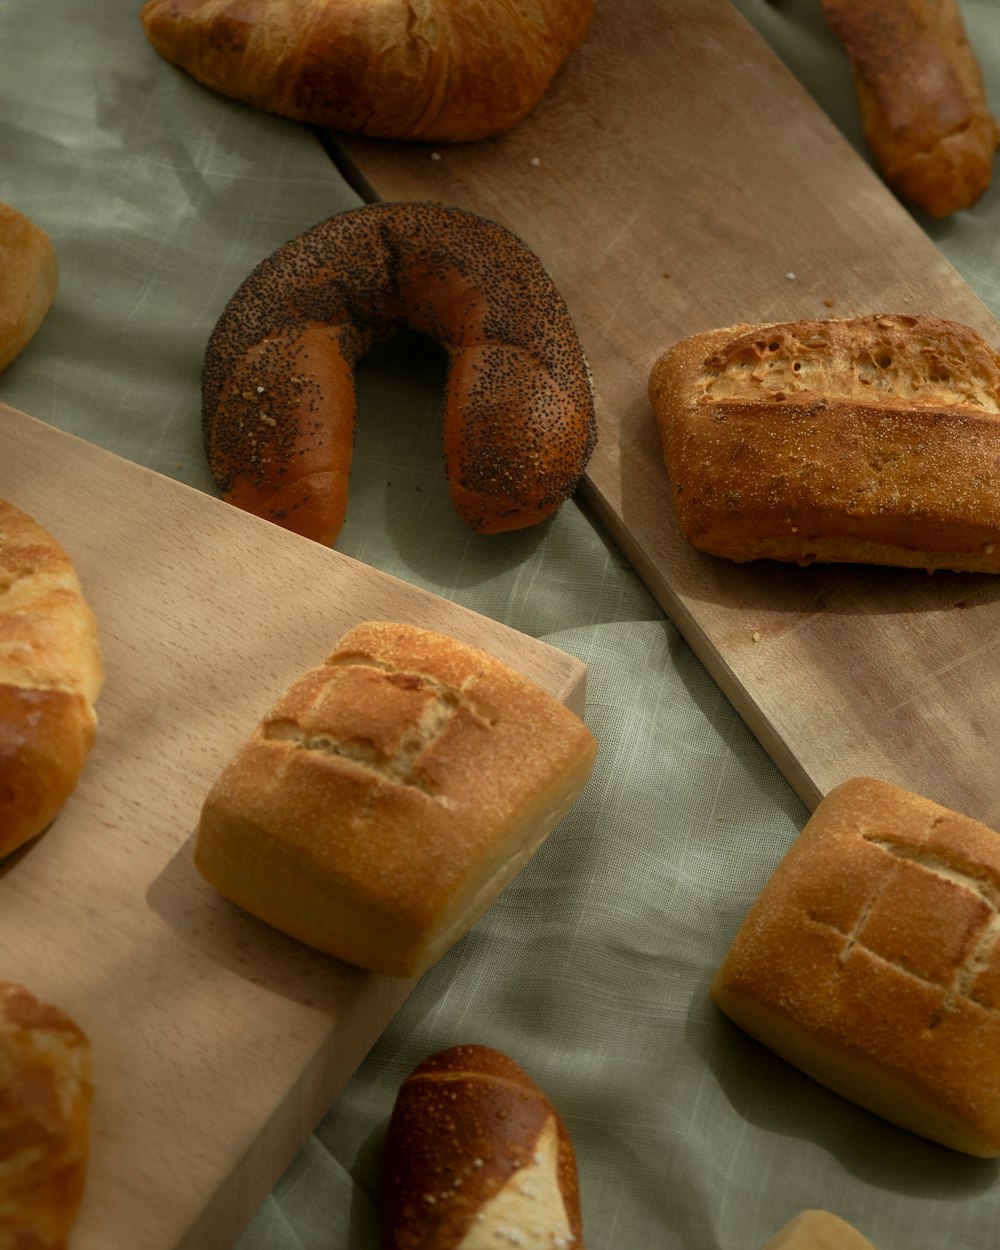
point(880, 359)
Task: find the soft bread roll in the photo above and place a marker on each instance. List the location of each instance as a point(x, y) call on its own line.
point(921, 98)
point(278, 382)
point(29, 274)
point(51, 672)
point(45, 1096)
point(476, 1158)
point(817, 1230)
point(450, 70)
point(874, 439)
point(871, 960)
point(389, 795)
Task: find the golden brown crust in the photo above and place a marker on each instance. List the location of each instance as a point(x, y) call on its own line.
point(29, 274)
point(389, 795)
point(871, 960)
point(921, 98)
point(449, 70)
point(476, 1152)
point(874, 439)
point(45, 1095)
point(51, 672)
point(278, 399)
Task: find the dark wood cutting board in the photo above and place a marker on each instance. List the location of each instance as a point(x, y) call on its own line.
point(677, 177)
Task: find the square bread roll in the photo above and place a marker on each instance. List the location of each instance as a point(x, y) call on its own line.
point(870, 960)
point(389, 795)
point(817, 1230)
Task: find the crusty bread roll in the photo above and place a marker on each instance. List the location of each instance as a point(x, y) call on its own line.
point(451, 70)
point(45, 1096)
point(29, 275)
point(871, 960)
point(476, 1157)
point(874, 439)
point(817, 1230)
point(389, 795)
point(51, 672)
point(921, 98)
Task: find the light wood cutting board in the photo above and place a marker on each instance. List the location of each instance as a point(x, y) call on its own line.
point(677, 177)
point(217, 1043)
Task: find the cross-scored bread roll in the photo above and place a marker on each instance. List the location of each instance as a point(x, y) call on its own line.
point(390, 794)
point(51, 672)
point(29, 275)
point(817, 1230)
point(871, 439)
point(477, 1158)
point(451, 70)
point(871, 960)
point(45, 1095)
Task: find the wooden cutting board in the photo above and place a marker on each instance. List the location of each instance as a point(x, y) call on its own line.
point(217, 1043)
point(675, 178)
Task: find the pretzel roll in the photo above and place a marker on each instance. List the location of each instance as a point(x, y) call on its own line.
point(45, 1096)
point(51, 672)
point(278, 390)
point(452, 70)
point(477, 1156)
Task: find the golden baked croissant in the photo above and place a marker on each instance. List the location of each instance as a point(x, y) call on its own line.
point(452, 70)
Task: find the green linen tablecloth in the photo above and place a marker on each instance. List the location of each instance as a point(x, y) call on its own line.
point(592, 969)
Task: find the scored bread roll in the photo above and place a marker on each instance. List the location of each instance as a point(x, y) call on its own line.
point(45, 1097)
point(476, 1157)
point(389, 795)
point(29, 275)
point(921, 98)
point(872, 439)
point(51, 672)
point(871, 960)
point(817, 1230)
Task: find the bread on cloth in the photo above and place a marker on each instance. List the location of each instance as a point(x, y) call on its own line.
point(921, 98)
point(390, 794)
point(51, 672)
point(45, 1097)
point(872, 439)
point(817, 1230)
point(29, 275)
point(475, 1157)
point(451, 70)
point(871, 960)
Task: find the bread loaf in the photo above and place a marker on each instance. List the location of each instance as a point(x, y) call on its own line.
point(921, 98)
point(29, 275)
point(389, 795)
point(451, 70)
point(873, 439)
point(817, 1230)
point(871, 960)
point(51, 672)
point(477, 1157)
point(45, 1096)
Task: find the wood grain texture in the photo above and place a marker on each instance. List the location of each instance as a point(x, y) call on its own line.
point(217, 1043)
point(677, 178)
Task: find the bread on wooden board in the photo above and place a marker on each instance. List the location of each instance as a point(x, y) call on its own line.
point(390, 794)
point(45, 1096)
point(51, 672)
point(873, 439)
point(29, 275)
point(871, 960)
point(451, 70)
point(817, 1230)
point(921, 98)
point(476, 1157)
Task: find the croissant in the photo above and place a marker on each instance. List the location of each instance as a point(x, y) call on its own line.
point(450, 70)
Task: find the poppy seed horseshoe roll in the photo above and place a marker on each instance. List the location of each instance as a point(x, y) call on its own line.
point(278, 386)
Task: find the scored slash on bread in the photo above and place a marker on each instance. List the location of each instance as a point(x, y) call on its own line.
point(871, 960)
point(872, 439)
